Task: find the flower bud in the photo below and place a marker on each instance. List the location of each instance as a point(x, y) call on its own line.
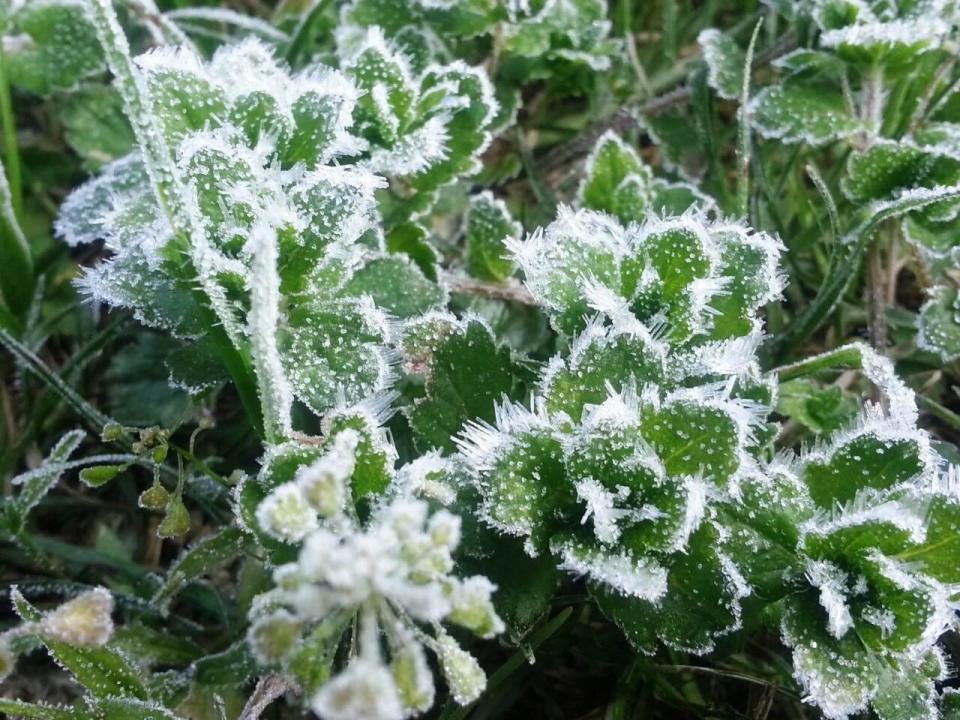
point(273, 637)
point(413, 677)
point(364, 690)
point(473, 607)
point(84, 621)
point(464, 675)
point(111, 432)
point(286, 515)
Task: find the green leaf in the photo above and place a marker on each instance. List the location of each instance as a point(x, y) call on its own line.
point(397, 285)
point(868, 460)
point(233, 666)
point(601, 357)
point(411, 239)
point(876, 172)
point(938, 325)
point(840, 676)
point(62, 48)
point(203, 557)
point(693, 439)
point(139, 392)
point(126, 709)
point(18, 709)
point(803, 112)
point(702, 602)
point(939, 552)
point(489, 227)
point(725, 63)
point(35, 484)
point(611, 164)
point(466, 375)
point(154, 647)
point(95, 126)
point(334, 349)
point(822, 410)
point(910, 693)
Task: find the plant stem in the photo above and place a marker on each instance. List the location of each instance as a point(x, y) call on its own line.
point(877, 302)
point(302, 32)
point(10, 138)
point(743, 149)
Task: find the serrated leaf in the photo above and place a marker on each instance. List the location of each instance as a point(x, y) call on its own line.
point(397, 285)
point(939, 324)
point(95, 126)
point(465, 376)
point(489, 226)
point(839, 675)
point(883, 168)
point(61, 49)
point(866, 461)
point(822, 410)
point(610, 164)
point(909, 693)
point(938, 552)
point(803, 112)
point(702, 604)
point(693, 439)
point(725, 63)
point(333, 350)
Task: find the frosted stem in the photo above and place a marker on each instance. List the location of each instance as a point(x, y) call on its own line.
point(276, 396)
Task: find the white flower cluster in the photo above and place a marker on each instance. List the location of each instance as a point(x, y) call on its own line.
point(392, 576)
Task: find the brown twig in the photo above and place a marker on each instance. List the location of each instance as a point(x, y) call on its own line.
point(628, 118)
point(269, 688)
point(510, 289)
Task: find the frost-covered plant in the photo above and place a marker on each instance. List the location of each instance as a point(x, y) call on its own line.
point(390, 573)
point(857, 528)
point(460, 406)
point(876, 79)
point(633, 435)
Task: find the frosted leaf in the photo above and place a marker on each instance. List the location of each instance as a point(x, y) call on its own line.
point(334, 349)
point(799, 111)
point(836, 675)
point(938, 324)
point(52, 45)
point(702, 603)
point(557, 261)
point(397, 285)
point(489, 227)
point(601, 358)
point(635, 577)
point(610, 163)
point(725, 63)
point(909, 692)
point(617, 181)
point(85, 214)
